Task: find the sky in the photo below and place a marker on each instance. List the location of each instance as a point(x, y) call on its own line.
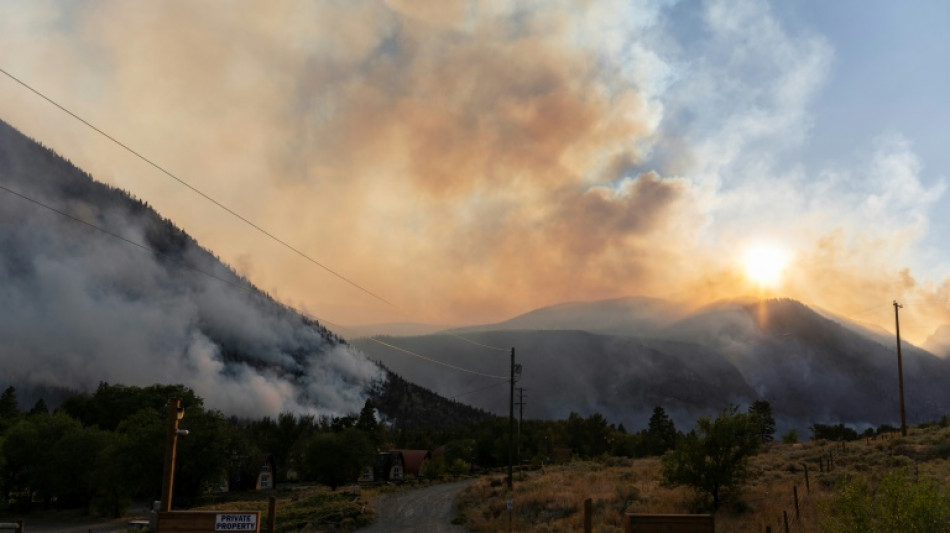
point(470, 161)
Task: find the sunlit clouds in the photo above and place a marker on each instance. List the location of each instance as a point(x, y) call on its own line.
point(473, 160)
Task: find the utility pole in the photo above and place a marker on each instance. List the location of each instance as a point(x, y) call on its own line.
point(520, 419)
point(900, 366)
point(175, 414)
point(515, 369)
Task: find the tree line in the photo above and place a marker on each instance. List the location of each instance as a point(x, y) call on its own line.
point(101, 451)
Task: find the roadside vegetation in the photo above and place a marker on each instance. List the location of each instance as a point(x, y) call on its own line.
point(884, 483)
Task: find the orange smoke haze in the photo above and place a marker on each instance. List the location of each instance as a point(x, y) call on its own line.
point(467, 161)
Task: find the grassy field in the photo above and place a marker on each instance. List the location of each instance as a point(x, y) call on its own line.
point(553, 499)
point(306, 508)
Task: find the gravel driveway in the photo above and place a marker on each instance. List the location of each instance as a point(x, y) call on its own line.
point(430, 509)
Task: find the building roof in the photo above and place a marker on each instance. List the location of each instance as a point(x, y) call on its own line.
point(412, 459)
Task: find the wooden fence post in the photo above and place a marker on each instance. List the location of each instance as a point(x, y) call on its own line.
point(272, 515)
point(807, 484)
point(587, 515)
point(798, 513)
point(785, 518)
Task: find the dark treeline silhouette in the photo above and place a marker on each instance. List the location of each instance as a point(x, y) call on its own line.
point(101, 451)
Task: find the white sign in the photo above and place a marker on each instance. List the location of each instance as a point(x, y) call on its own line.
point(236, 522)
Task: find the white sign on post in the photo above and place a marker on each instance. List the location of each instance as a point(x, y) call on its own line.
point(236, 522)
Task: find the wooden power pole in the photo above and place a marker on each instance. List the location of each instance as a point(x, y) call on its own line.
point(175, 414)
point(900, 367)
point(511, 421)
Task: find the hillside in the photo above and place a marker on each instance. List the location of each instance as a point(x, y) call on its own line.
point(809, 367)
point(564, 371)
point(79, 307)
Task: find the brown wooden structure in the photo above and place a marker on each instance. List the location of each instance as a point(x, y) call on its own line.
point(208, 521)
point(669, 523)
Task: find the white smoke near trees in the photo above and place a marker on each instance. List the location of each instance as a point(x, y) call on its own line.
point(80, 307)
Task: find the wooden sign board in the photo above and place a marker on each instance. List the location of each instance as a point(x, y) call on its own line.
point(208, 521)
point(669, 523)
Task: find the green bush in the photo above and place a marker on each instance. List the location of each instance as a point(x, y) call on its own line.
point(713, 459)
point(790, 438)
point(897, 504)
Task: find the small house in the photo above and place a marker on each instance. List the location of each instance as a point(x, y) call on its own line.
point(395, 465)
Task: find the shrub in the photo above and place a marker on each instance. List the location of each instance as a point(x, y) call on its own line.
point(791, 437)
point(897, 504)
point(713, 458)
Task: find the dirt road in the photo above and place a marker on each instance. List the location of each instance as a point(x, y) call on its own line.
point(430, 509)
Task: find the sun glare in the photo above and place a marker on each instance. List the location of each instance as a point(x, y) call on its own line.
point(765, 263)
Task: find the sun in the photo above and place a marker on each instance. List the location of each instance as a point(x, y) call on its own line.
point(764, 264)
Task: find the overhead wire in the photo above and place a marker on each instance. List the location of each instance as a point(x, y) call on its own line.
point(197, 191)
point(146, 248)
point(470, 341)
point(435, 361)
point(224, 207)
point(246, 287)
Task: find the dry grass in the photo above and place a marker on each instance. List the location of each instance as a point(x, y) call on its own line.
point(553, 499)
point(307, 509)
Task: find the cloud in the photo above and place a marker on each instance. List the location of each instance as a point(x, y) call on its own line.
point(472, 160)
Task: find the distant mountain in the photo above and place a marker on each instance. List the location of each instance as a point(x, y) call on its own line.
point(939, 342)
point(620, 316)
point(809, 367)
point(79, 306)
point(565, 371)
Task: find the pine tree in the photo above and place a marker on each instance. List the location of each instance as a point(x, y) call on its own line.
point(9, 409)
point(761, 413)
point(39, 408)
point(661, 433)
point(367, 420)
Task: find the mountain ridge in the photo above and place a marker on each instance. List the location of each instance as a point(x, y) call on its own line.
point(809, 367)
point(147, 304)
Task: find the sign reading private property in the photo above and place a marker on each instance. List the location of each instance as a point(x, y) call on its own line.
point(236, 522)
point(207, 521)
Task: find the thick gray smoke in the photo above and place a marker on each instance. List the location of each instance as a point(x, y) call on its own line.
point(78, 306)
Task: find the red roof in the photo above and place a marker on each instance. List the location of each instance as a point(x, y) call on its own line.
point(412, 459)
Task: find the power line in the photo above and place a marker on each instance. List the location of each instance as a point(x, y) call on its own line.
point(199, 192)
point(245, 287)
point(470, 341)
point(435, 361)
point(219, 204)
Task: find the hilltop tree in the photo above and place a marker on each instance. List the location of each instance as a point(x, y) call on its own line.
point(9, 409)
point(39, 408)
point(713, 458)
point(367, 419)
point(660, 435)
point(761, 413)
